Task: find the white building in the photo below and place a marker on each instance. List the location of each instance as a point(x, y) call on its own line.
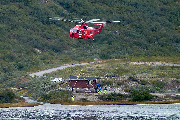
point(59, 79)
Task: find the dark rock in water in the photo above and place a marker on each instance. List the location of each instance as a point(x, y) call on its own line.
point(85, 118)
point(68, 115)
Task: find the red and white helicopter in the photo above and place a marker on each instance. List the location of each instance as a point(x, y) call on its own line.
point(82, 31)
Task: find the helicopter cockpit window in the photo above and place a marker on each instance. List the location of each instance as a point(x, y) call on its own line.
point(71, 30)
point(74, 31)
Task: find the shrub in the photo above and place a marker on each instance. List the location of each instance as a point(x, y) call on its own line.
point(111, 97)
point(83, 99)
point(61, 95)
point(127, 90)
point(141, 96)
point(119, 83)
point(7, 97)
point(143, 82)
point(159, 84)
point(106, 82)
point(132, 79)
point(179, 90)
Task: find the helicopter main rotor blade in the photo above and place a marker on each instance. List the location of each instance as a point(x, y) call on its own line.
point(56, 18)
point(92, 20)
point(81, 21)
point(63, 19)
point(98, 22)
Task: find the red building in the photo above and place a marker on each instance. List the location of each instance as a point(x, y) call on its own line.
point(83, 82)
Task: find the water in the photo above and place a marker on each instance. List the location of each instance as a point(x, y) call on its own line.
point(95, 112)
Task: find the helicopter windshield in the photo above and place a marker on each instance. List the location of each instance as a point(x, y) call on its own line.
point(73, 30)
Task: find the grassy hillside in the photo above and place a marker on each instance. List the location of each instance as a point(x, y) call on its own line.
point(117, 75)
point(29, 41)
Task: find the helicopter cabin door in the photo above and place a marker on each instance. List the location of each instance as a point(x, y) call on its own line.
point(86, 32)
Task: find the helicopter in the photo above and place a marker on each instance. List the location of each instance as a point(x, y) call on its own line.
point(82, 31)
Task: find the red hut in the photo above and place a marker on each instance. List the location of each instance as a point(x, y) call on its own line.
point(83, 82)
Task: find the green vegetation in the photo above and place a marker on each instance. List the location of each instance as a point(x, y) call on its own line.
point(130, 71)
point(29, 42)
point(141, 96)
point(135, 96)
point(106, 82)
point(7, 97)
point(83, 100)
point(134, 77)
point(37, 87)
point(112, 97)
point(159, 84)
point(61, 95)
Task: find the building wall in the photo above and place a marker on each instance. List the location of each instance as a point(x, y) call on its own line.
point(94, 84)
point(82, 83)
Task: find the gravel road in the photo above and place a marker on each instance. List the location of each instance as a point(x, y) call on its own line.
point(41, 73)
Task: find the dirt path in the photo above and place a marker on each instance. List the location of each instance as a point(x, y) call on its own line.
point(155, 63)
point(41, 73)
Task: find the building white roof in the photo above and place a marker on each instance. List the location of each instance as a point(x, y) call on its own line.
point(57, 79)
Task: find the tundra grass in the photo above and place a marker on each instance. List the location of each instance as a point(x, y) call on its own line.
point(120, 68)
point(20, 104)
point(56, 101)
point(25, 104)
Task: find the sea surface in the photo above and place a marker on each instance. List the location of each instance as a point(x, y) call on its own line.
point(93, 112)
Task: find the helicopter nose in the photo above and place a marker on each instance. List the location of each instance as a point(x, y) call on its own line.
point(70, 34)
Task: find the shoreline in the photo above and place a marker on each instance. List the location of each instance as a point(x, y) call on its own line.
point(25, 104)
point(19, 104)
point(119, 103)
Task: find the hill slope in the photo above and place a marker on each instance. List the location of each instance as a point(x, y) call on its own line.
point(29, 41)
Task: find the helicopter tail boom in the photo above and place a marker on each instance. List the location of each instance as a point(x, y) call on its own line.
point(105, 22)
point(112, 21)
